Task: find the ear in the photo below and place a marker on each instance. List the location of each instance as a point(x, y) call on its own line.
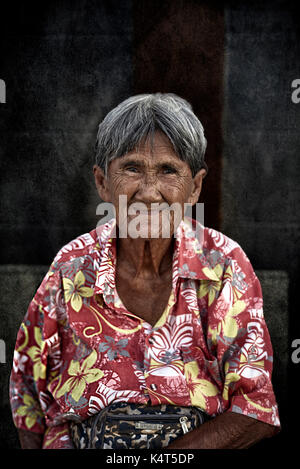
point(101, 183)
point(197, 186)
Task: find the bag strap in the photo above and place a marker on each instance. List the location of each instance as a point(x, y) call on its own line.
point(100, 416)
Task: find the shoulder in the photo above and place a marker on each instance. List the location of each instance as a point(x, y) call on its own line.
point(81, 246)
point(210, 240)
point(82, 254)
point(221, 253)
point(215, 251)
point(215, 241)
point(218, 241)
point(76, 260)
point(234, 263)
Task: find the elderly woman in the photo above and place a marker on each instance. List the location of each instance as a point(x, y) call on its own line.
point(146, 322)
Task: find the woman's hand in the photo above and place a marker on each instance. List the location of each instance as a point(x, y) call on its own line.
point(227, 431)
point(30, 440)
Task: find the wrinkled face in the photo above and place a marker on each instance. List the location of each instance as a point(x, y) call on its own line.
point(153, 179)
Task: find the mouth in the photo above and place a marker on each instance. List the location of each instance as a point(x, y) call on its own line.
point(143, 208)
point(158, 220)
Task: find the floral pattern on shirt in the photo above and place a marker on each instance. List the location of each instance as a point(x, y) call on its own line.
point(79, 349)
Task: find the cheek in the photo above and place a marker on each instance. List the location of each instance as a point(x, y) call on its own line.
point(122, 186)
point(178, 190)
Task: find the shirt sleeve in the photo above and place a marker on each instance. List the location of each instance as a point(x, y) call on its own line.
point(243, 343)
point(36, 357)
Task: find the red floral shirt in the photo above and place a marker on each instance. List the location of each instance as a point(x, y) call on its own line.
point(79, 349)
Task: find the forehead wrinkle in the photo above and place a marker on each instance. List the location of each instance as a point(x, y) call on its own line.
point(152, 151)
point(160, 152)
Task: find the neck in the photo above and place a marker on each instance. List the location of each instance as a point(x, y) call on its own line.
point(144, 258)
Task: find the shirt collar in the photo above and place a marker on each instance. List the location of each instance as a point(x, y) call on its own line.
point(189, 258)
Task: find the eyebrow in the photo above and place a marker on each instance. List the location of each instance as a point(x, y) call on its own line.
point(131, 162)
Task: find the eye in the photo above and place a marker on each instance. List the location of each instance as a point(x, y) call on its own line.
point(131, 169)
point(168, 170)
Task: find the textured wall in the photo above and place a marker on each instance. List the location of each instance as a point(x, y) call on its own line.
point(66, 64)
point(24, 279)
point(261, 170)
point(179, 48)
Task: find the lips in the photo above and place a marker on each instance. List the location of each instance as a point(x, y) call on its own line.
point(138, 207)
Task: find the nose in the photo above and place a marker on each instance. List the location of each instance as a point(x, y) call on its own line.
point(148, 191)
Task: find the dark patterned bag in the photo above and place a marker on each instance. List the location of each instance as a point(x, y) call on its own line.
point(135, 426)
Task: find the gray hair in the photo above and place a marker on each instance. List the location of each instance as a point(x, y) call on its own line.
point(138, 117)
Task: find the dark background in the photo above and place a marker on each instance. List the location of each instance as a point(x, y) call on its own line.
point(67, 63)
